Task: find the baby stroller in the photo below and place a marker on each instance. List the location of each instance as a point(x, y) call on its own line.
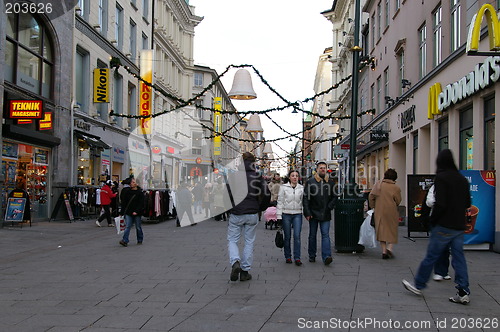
point(270, 216)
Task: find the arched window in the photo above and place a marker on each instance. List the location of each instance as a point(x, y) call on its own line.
point(29, 55)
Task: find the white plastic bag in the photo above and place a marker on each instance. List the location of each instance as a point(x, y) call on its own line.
point(367, 233)
point(120, 224)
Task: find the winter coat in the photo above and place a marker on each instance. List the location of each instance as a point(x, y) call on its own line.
point(136, 199)
point(385, 198)
point(451, 193)
point(290, 199)
point(274, 188)
point(106, 195)
point(319, 198)
point(247, 198)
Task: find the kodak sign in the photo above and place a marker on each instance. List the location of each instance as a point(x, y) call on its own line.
point(483, 75)
point(146, 95)
point(25, 109)
point(473, 37)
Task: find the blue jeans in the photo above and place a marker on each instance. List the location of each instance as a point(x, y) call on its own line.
point(326, 249)
point(245, 224)
point(129, 221)
point(290, 220)
point(440, 240)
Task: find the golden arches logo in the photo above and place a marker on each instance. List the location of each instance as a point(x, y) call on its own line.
point(474, 35)
point(432, 104)
point(490, 175)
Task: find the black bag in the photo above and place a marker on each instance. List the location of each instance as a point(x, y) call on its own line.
point(372, 220)
point(278, 240)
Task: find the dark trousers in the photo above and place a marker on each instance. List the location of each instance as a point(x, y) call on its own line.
point(106, 214)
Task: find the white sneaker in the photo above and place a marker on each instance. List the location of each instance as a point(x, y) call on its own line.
point(438, 277)
point(97, 223)
point(460, 299)
point(411, 288)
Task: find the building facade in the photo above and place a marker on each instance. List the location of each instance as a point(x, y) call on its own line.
point(427, 93)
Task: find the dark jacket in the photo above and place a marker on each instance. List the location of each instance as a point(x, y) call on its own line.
point(184, 197)
point(136, 199)
point(247, 198)
point(319, 197)
point(451, 192)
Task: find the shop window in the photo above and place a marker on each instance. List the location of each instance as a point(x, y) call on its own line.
point(196, 143)
point(443, 135)
point(28, 54)
point(29, 166)
point(489, 133)
point(466, 140)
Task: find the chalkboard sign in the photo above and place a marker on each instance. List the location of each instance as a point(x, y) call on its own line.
point(15, 209)
point(68, 207)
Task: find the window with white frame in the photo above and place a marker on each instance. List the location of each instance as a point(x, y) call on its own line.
point(386, 82)
point(82, 80)
point(387, 12)
point(379, 21)
point(145, 9)
point(397, 4)
point(196, 138)
point(133, 39)
point(422, 51)
point(145, 42)
point(103, 16)
point(455, 24)
point(119, 26)
point(401, 66)
point(373, 31)
point(436, 31)
point(372, 94)
point(198, 79)
point(379, 94)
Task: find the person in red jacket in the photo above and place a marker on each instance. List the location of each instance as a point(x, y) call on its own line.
point(106, 195)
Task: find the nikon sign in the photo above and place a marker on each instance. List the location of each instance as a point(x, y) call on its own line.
point(483, 75)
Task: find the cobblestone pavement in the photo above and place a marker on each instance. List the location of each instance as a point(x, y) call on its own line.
point(76, 277)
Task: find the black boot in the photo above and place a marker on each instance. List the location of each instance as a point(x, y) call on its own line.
point(244, 276)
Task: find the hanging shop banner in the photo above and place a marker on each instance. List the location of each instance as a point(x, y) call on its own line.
point(418, 187)
point(146, 95)
point(15, 209)
point(482, 191)
point(46, 122)
point(101, 85)
point(25, 109)
point(217, 125)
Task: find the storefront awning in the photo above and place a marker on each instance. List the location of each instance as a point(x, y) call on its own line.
point(92, 140)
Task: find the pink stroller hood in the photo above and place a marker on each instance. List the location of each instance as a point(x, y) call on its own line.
point(270, 213)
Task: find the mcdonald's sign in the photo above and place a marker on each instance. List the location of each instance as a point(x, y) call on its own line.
point(474, 35)
point(483, 75)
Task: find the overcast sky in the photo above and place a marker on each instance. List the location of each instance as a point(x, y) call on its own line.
point(282, 39)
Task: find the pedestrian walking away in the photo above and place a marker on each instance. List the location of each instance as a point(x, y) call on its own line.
point(132, 199)
point(384, 199)
point(448, 219)
point(247, 201)
point(318, 202)
point(184, 204)
point(289, 210)
point(107, 194)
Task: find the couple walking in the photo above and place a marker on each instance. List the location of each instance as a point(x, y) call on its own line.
point(315, 201)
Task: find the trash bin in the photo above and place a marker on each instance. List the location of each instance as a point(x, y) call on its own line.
point(348, 219)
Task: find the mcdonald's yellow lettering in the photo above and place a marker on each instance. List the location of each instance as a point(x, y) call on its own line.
point(432, 105)
point(473, 37)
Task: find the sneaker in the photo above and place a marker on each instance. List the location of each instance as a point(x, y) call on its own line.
point(111, 225)
point(411, 288)
point(244, 276)
point(235, 271)
point(460, 299)
point(123, 243)
point(328, 260)
point(312, 259)
point(298, 262)
point(289, 261)
point(438, 277)
point(98, 223)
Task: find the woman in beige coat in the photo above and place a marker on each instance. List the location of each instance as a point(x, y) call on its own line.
point(385, 198)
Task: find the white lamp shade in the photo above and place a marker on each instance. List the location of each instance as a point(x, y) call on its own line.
point(242, 86)
point(253, 124)
point(268, 148)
